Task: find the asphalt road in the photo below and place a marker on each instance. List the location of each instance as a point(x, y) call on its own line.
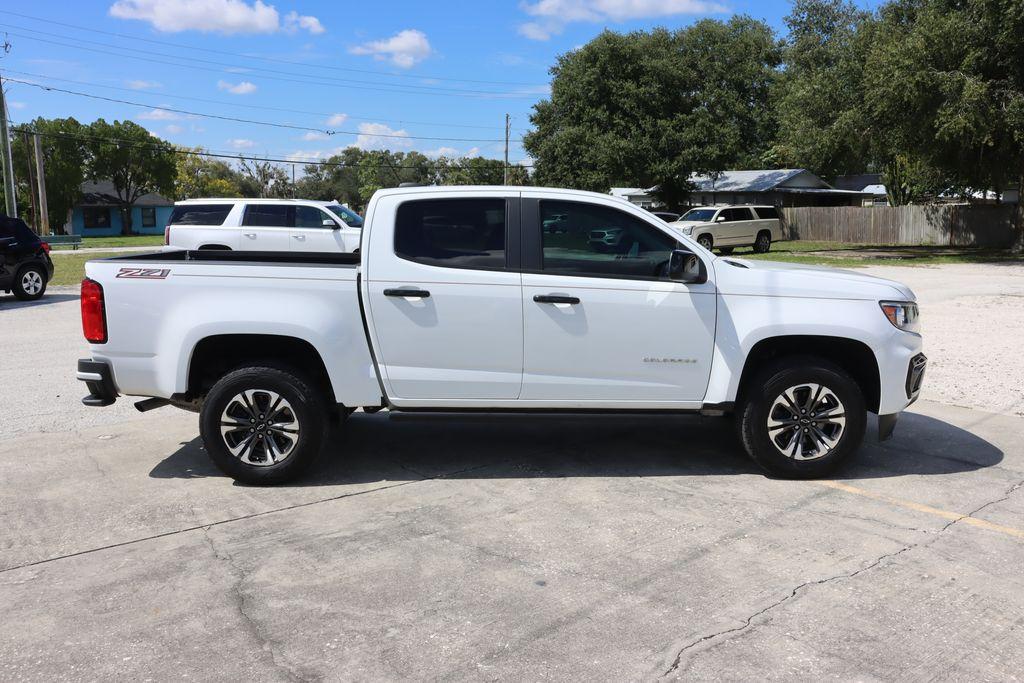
point(495, 547)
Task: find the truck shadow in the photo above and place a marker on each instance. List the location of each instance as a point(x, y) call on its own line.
point(370, 448)
point(8, 302)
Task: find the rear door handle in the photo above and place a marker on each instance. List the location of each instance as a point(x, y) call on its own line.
point(299, 237)
point(408, 293)
point(555, 299)
point(250, 235)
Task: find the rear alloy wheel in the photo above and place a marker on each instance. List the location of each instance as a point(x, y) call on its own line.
point(763, 243)
point(263, 425)
point(30, 283)
point(706, 241)
point(801, 418)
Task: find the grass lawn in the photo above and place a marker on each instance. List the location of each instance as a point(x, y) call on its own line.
point(70, 269)
point(841, 255)
point(119, 241)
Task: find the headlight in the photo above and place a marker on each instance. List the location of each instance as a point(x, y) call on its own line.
point(686, 229)
point(902, 314)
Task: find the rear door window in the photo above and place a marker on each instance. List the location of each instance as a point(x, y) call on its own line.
point(767, 212)
point(268, 216)
point(452, 233)
point(199, 214)
point(739, 214)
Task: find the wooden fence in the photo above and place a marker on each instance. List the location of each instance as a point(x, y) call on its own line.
point(945, 225)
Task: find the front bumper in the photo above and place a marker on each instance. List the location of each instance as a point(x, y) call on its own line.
point(912, 386)
point(100, 381)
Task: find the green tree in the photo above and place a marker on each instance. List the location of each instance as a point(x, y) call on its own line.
point(945, 86)
point(64, 164)
point(647, 109)
point(818, 99)
point(262, 179)
point(198, 176)
point(336, 179)
point(135, 161)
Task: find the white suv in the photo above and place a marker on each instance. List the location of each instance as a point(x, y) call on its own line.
point(727, 227)
point(263, 225)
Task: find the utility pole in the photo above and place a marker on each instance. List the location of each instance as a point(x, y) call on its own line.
point(508, 126)
point(5, 142)
point(44, 215)
point(31, 179)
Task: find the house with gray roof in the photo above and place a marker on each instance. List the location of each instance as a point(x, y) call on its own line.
point(97, 213)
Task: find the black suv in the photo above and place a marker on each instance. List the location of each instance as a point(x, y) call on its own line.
point(25, 265)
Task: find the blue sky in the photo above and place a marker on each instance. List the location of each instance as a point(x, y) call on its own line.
point(437, 77)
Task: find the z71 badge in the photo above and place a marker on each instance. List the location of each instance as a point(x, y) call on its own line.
point(144, 273)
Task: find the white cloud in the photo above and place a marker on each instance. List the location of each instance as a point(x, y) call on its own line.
point(213, 16)
point(553, 15)
point(158, 115)
point(294, 21)
point(16, 105)
point(337, 119)
point(243, 88)
point(449, 152)
point(173, 128)
point(404, 49)
point(241, 143)
point(379, 136)
point(143, 85)
point(313, 135)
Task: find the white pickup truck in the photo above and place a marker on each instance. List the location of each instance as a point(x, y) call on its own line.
point(460, 301)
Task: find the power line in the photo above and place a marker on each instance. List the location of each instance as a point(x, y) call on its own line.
point(265, 73)
point(354, 117)
point(325, 131)
point(260, 58)
point(168, 147)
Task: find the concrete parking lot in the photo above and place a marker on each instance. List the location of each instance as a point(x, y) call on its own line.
point(520, 547)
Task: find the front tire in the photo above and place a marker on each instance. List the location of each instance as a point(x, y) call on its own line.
point(263, 425)
point(30, 283)
point(801, 418)
point(706, 241)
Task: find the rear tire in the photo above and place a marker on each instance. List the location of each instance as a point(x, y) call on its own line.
point(263, 425)
point(30, 283)
point(763, 242)
point(795, 445)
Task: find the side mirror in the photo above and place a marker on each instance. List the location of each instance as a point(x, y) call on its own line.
point(684, 266)
point(720, 219)
point(328, 223)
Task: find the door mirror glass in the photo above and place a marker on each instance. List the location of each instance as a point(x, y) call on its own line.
point(328, 223)
point(684, 266)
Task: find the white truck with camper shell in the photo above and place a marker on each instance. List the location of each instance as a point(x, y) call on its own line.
point(263, 225)
point(460, 300)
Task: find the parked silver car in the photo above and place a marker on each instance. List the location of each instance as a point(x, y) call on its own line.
point(727, 227)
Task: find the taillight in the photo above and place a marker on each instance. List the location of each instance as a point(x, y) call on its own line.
point(167, 234)
point(46, 246)
point(94, 315)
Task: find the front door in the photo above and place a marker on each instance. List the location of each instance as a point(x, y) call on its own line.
point(604, 326)
point(266, 227)
point(444, 300)
point(314, 230)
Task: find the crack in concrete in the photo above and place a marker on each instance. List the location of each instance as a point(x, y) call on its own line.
point(252, 626)
point(748, 621)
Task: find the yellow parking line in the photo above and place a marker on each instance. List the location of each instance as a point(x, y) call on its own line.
point(927, 509)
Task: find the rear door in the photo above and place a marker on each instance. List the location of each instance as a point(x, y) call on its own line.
point(266, 227)
point(742, 225)
point(444, 297)
point(604, 326)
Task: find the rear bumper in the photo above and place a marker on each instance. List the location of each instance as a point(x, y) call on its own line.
point(100, 381)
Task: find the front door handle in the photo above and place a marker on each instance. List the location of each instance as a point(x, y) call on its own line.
point(555, 299)
point(250, 235)
point(408, 293)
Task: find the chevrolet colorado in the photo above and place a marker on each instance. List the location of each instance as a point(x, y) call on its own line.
point(459, 300)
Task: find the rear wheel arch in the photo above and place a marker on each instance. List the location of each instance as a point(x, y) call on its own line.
point(214, 357)
point(854, 357)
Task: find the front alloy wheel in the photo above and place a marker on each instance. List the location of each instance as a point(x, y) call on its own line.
point(806, 422)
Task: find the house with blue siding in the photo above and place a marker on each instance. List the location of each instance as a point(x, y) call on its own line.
point(97, 213)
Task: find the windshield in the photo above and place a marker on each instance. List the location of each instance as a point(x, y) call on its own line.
point(351, 218)
point(702, 215)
